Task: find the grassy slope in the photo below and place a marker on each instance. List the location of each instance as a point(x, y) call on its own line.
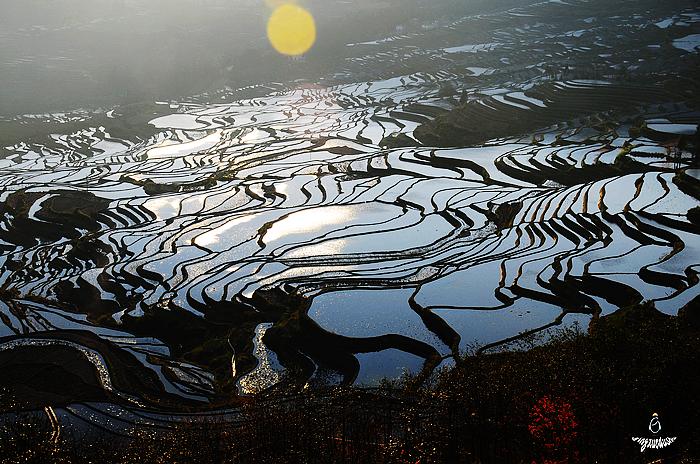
point(634, 362)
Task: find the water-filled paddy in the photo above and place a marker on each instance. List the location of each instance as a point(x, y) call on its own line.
point(315, 234)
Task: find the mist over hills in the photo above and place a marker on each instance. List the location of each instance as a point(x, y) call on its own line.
point(68, 54)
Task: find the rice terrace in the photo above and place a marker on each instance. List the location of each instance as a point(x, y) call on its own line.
point(449, 231)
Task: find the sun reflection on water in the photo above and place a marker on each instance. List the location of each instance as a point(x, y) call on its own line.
point(309, 220)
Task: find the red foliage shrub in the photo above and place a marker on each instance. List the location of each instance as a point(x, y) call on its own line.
point(553, 425)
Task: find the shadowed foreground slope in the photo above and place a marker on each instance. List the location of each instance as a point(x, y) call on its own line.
point(592, 393)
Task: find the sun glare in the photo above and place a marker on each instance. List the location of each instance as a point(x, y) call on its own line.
point(291, 30)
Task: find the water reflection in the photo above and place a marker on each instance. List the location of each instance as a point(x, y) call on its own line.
point(252, 234)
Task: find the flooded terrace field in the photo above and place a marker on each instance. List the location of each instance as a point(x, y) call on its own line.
point(462, 183)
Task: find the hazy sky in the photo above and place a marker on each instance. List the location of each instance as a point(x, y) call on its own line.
point(61, 54)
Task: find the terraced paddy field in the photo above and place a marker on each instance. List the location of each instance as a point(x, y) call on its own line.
point(457, 185)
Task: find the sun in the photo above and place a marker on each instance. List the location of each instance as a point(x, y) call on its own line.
point(291, 30)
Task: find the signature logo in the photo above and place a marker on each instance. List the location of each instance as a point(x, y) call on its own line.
point(655, 424)
point(657, 442)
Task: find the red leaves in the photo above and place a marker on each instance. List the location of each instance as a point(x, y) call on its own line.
point(553, 425)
